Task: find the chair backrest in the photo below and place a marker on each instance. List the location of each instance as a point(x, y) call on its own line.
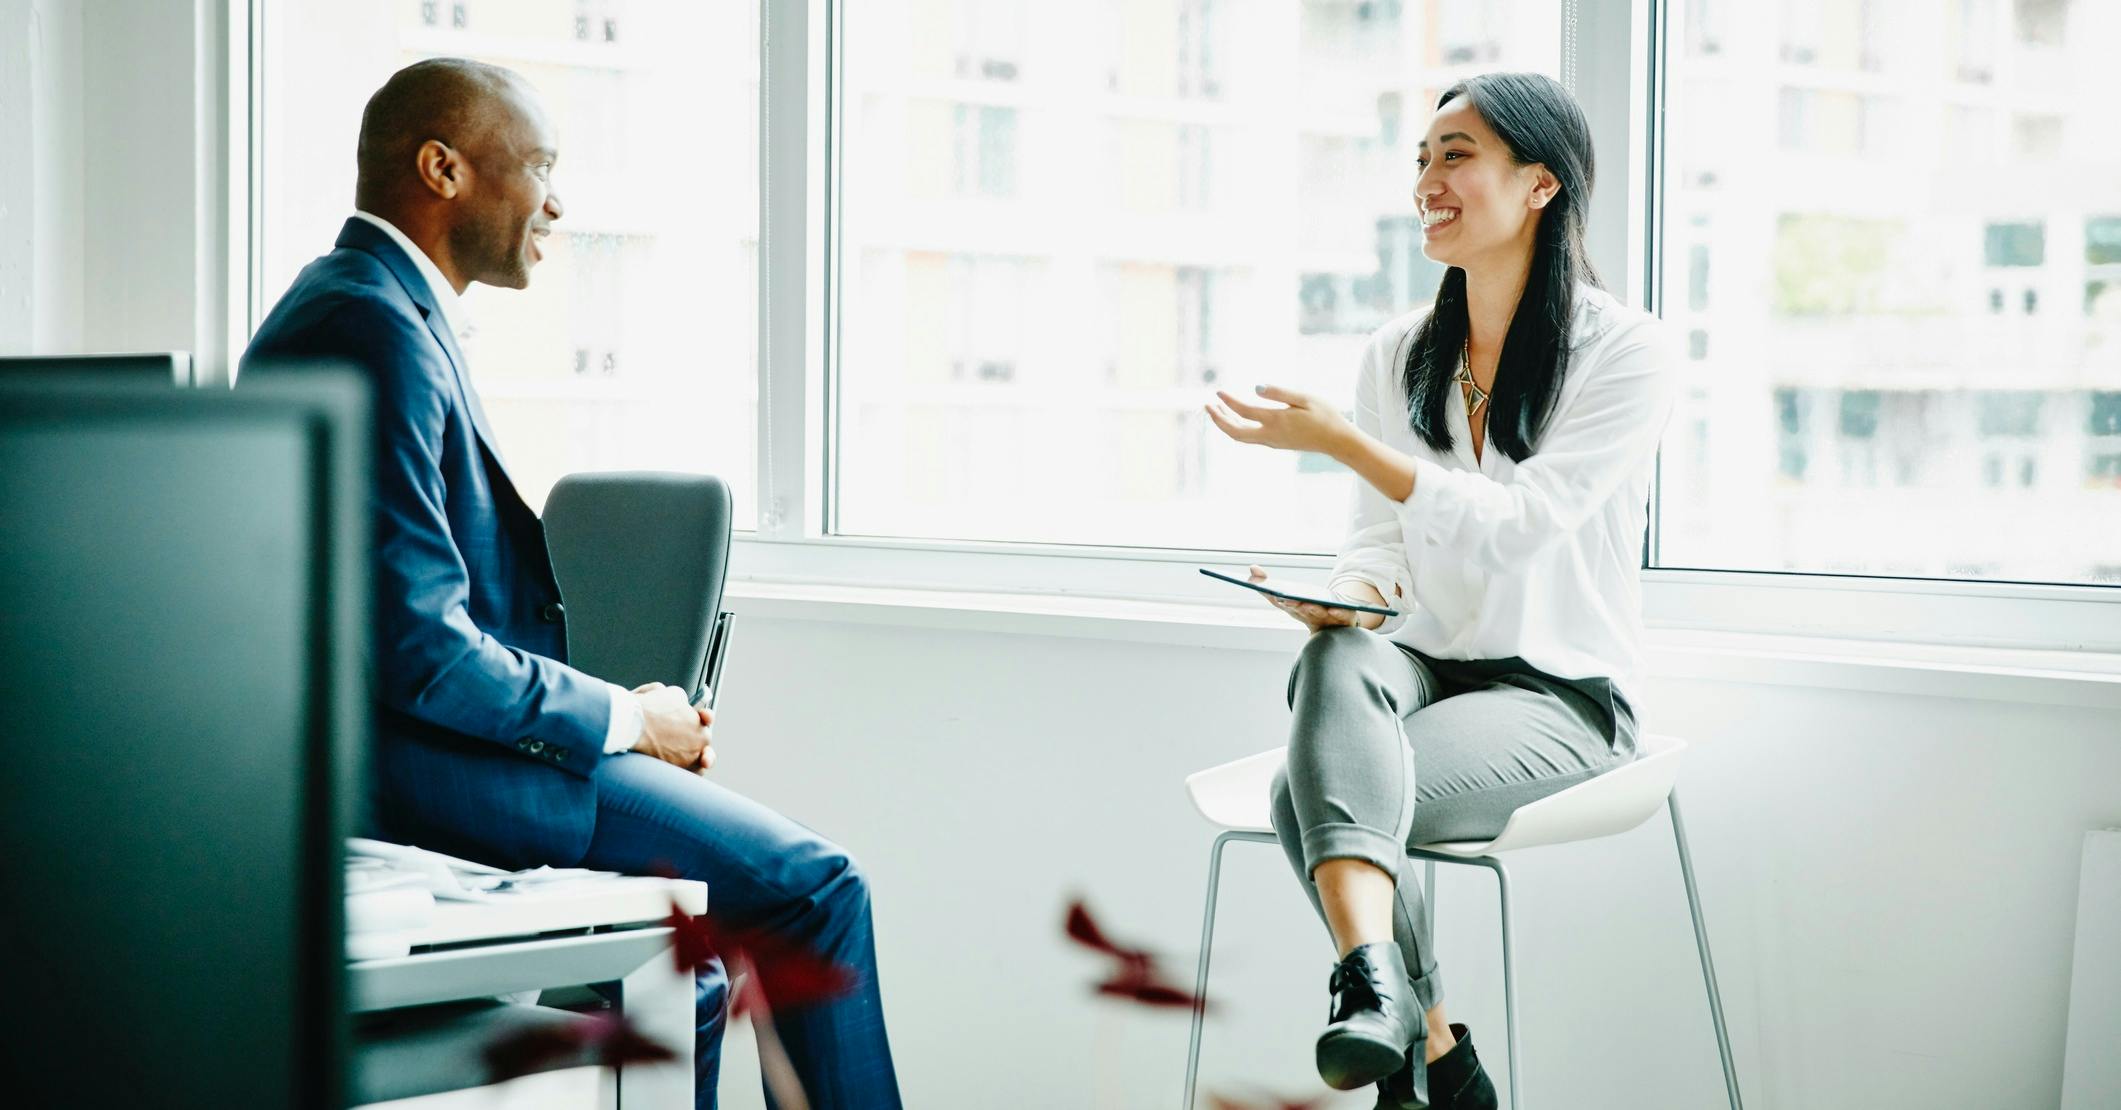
point(641, 558)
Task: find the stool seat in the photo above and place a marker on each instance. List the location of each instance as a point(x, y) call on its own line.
point(1237, 797)
point(1234, 795)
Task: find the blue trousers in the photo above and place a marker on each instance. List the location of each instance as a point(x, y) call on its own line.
point(763, 872)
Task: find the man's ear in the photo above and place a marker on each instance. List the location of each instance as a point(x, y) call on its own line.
point(442, 170)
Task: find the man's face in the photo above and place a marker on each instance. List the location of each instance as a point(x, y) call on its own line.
point(509, 209)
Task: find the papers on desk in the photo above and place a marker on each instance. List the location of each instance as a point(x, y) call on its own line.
point(384, 909)
point(391, 890)
point(460, 880)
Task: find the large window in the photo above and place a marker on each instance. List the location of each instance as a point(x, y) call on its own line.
point(1064, 224)
point(634, 346)
point(1890, 253)
point(1892, 247)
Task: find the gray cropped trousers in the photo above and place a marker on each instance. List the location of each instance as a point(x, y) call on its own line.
point(1389, 748)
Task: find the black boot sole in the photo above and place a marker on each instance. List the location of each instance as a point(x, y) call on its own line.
point(1347, 1060)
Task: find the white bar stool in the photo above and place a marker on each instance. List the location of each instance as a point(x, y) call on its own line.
point(1234, 796)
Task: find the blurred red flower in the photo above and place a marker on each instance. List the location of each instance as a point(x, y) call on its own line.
point(784, 974)
point(604, 1038)
point(1135, 975)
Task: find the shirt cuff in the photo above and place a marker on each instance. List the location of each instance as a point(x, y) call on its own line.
point(1418, 513)
point(1395, 597)
point(624, 730)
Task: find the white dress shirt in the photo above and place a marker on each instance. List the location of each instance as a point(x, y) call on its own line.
point(624, 726)
point(1540, 559)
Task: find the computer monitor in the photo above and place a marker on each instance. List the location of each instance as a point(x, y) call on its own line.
point(183, 584)
point(174, 367)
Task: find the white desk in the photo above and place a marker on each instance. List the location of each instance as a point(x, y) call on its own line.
point(591, 932)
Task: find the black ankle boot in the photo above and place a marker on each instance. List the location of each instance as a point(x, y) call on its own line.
point(1374, 1019)
point(1455, 1080)
point(1409, 1087)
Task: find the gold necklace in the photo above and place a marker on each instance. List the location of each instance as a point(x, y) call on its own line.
point(1477, 396)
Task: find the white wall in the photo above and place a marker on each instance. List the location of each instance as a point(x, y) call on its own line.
point(1889, 881)
point(114, 206)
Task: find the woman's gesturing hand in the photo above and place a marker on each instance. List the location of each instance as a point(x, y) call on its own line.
point(1315, 617)
point(1300, 422)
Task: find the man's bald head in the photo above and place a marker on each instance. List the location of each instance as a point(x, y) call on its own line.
point(455, 101)
point(458, 155)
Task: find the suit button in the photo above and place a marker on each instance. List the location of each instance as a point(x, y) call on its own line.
point(537, 745)
point(553, 613)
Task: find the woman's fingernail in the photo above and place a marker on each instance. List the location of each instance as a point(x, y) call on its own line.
point(1260, 389)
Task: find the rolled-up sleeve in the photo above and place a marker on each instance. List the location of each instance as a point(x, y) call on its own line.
point(1375, 551)
point(1600, 438)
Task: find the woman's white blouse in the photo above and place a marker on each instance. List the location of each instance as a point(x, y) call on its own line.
point(1541, 559)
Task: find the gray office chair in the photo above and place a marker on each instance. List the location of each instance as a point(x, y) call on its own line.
point(641, 557)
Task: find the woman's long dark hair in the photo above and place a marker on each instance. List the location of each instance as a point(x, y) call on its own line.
point(1540, 122)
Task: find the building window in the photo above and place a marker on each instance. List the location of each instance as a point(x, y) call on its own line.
point(2102, 240)
point(2014, 413)
point(1859, 414)
point(2015, 244)
point(2040, 22)
point(990, 40)
point(1705, 27)
point(2038, 137)
point(2105, 414)
point(985, 152)
point(1971, 31)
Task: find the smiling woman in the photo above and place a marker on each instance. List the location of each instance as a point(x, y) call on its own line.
point(1508, 674)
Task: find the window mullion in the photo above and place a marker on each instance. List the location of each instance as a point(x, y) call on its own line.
point(1611, 70)
point(793, 118)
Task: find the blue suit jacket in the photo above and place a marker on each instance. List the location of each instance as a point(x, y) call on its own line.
point(486, 741)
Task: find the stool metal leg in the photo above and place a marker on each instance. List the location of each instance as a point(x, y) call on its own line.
point(1428, 897)
point(1701, 941)
point(1207, 940)
point(1509, 979)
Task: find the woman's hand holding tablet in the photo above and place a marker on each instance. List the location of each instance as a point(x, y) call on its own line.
point(1307, 605)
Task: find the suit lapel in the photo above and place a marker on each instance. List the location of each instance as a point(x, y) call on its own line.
point(438, 326)
point(361, 235)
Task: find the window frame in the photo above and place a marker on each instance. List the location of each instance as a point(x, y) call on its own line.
point(1613, 58)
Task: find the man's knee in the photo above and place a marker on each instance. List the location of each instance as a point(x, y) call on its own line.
point(846, 886)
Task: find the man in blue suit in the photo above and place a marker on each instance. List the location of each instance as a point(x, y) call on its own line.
point(487, 744)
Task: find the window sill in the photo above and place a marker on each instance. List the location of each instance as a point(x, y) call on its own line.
point(1933, 670)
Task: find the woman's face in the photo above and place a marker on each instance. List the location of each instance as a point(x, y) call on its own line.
point(1478, 206)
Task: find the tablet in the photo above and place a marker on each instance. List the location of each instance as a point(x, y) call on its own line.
point(1334, 603)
